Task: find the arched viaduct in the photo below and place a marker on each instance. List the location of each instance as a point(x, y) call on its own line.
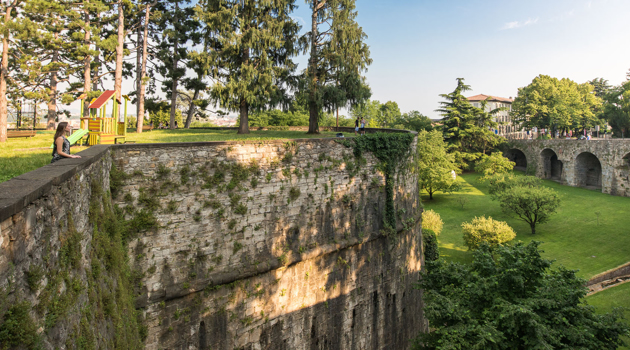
point(601, 164)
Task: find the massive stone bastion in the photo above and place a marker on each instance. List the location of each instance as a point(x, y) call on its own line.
point(286, 244)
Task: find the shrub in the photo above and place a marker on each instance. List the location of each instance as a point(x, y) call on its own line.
point(431, 250)
point(488, 230)
point(432, 221)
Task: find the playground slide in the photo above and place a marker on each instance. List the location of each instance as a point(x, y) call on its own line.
point(76, 136)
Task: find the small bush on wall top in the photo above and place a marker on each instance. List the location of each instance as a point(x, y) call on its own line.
point(488, 230)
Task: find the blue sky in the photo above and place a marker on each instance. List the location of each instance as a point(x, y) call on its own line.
point(419, 48)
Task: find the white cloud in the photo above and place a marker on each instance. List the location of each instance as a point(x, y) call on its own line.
point(518, 24)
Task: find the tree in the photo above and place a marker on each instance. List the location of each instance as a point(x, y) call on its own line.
point(179, 27)
point(466, 128)
point(387, 114)
point(7, 24)
point(556, 104)
point(600, 87)
point(493, 164)
point(338, 56)
point(254, 55)
point(486, 230)
point(534, 205)
point(413, 120)
point(510, 298)
point(435, 165)
point(616, 109)
point(367, 110)
point(142, 73)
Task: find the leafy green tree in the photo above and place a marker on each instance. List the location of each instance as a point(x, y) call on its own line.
point(493, 164)
point(413, 120)
point(556, 104)
point(435, 164)
point(387, 114)
point(616, 109)
point(503, 181)
point(534, 205)
point(337, 57)
point(367, 110)
point(486, 230)
point(256, 43)
point(510, 298)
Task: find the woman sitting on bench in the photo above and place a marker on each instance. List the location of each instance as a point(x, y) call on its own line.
point(62, 145)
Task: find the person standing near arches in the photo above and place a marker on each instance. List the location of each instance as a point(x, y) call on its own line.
point(61, 147)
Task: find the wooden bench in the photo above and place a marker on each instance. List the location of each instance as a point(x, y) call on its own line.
point(147, 128)
point(20, 133)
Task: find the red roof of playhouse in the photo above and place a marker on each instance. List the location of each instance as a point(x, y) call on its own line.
point(483, 97)
point(103, 99)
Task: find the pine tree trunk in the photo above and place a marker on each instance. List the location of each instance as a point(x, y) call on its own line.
point(143, 69)
point(313, 127)
point(138, 72)
point(4, 72)
point(52, 96)
point(97, 61)
point(119, 55)
point(191, 109)
point(175, 78)
point(243, 127)
point(86, 68)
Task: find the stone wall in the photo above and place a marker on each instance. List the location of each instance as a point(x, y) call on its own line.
point(297, 232)
point(597, 164)
point(50, 294)
point(255, 245)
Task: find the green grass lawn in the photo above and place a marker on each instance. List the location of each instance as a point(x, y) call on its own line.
point(572, 237)
point(21, 155)
point(606, 300)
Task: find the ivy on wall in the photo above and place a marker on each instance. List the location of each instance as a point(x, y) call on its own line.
point(393, 151)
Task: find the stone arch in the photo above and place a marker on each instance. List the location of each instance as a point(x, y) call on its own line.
point(552, 166)
point(625, 161)
point(518, 157)
point(588, 171)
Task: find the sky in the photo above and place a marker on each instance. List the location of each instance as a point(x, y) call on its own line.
point(419, 48)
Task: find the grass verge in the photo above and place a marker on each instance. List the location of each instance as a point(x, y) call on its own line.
point(575, 237)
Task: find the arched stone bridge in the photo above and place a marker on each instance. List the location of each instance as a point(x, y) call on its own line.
point(595, 164)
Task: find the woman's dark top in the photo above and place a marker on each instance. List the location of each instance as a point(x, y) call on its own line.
point(65, 148)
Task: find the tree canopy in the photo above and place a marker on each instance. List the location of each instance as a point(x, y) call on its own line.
point(556, 104)
point(435, 164)
point(338, 56)
point(510, 298)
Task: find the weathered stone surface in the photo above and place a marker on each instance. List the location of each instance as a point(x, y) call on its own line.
point(599, 164)
point(291, 256)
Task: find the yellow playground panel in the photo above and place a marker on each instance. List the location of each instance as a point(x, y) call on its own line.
point(103, 129)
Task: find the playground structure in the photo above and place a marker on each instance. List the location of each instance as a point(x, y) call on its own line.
point(100, 128)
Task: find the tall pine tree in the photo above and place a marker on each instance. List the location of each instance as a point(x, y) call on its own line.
point(6, 25)
point(338, 56)
point(256, 43)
